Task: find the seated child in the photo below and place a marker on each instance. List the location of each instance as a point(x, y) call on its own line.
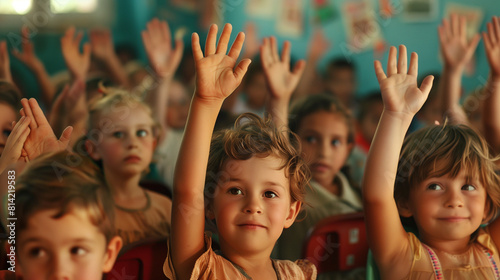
point(64, 227)
point(121, 137)
point(252, 188)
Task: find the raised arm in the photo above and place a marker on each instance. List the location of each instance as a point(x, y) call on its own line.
point(5, 63)
point(101, 43)
point(217, 76)
point(456, 51)
point(281, 80)
point(491, 118)
point(78, 63)
point(164, 60)
point(28, 57)
point(402, 99)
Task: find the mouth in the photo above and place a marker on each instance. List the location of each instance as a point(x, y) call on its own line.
point(453, 219)
point(132, 159)
point(320, 167)
point(251, 226)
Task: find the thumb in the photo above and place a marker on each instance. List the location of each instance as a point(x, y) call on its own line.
point(426, 85)
point(241, 69)
point(66, 136)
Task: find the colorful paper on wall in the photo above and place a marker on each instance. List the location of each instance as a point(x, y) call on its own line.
point(474, 17)
point(419, 10)
point(290, 21)
point(324, 11)
point(385, 8)
point(261, 8)
point(362, 29)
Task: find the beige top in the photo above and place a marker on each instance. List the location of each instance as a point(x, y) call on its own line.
point(152, 221)
point(210, 266)
point(473, 264)
point(320, 204)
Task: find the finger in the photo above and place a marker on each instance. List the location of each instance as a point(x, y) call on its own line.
point(455, 25)
point(22, 112)
point(235, 50)
point(146, 41)
point(379, 71)
point(487, 42)
point(462, 25)
point(28, 113)
point(241, 69)
point(299, 67)
point(274, 48)
point(78, 39)
point(195, 46)
point(39, 116)
point(224, 39)
point(392, 61)
point(491, 32)
point(20, 126)
point(177, 54)
point(86, 51)
point(413, 64)
point(211, 40)
point(447, 30)
point(402, 61)
point(66, 136)
point(442, 36)
point(285, 53)
point(426, 85)
point(473, 44)
point(165, 34)
point(265, 54)
point(496, 27)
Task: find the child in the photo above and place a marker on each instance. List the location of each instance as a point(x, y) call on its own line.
point(64, 226)
point(340, 80)
point(253, 188)
point(10, 103)
point(445, 181)
point(121, 137)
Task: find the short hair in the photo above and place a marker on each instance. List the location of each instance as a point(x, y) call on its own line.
point(340, 63)
point(64, 181)
point(254, 136)
point(447, 149)
point(10, 95)
point(367, 101)
point(316, 103)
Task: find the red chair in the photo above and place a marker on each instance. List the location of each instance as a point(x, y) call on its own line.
point(140, 261)
point(338, 243)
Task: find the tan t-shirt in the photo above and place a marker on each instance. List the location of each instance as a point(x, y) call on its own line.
point(153, 221)
point(210, 266)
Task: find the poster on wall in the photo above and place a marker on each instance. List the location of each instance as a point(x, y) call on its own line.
point(362, 29)
point(263, 9)
point(323, 11)
point(474, 17)
point(290, 21)
point(419, 10)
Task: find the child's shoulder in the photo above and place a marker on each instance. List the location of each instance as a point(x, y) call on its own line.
point(299, 269)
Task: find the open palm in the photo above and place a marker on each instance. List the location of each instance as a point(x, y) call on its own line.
point(399, 87)
point(492, 46)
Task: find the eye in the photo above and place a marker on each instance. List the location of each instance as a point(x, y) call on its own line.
point(118, 134)
point(336, 142)
point(270, 194)
point(468, 187)
point(6, 132)
point(310, 139)
point(36, 252)
point(435, 187)
point(78, 251)
point(235, 191)
point(142, 133)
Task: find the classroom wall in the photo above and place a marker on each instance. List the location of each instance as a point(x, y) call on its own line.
point(132, 15)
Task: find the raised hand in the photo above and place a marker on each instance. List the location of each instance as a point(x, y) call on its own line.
point(5, 63)
point(281, 80)
point(41, 138)
point(492, 46)
point(399, 88)
point(77, 63)
point(157, 41)
point(27, 54)
point(101, 44)
point(216, 74)
point(318, 45)
point(455, 48)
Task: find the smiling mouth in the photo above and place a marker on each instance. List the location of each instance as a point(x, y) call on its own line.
point(453, 219)
point(252, 226)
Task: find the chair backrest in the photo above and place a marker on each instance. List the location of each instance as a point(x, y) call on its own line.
point(338, 243)
point(140, 261)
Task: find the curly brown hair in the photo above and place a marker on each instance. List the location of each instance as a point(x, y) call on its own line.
point(254, 136)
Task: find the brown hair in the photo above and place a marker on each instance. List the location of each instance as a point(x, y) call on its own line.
point(447, 149)
point(10, 95)
point(64, 181)
point(253, 136)
point(316, 103)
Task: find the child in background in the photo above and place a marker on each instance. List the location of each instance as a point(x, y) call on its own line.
point(64, 226)
point(445, 182)
point(340, 80)
point(253, 188)
point(121, 137)
point(10, 103)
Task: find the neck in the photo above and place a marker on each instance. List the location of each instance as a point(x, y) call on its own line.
point(257, 265)
point(123, 187)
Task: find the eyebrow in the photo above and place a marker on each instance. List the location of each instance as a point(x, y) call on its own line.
point(266, 183)
point(77, 240)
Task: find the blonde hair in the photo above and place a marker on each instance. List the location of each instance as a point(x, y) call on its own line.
point(63, 182)
point(253, 136)
point(447, 149)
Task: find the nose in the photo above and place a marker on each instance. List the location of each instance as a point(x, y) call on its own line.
point(132, 142)
point(454, 199)
point(253, 205)
point(324, 149)
point(60, 268)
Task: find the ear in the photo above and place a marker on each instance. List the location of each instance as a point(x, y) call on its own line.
point(112, 250)
point(92, 150)
point(404, 209)
point(292, 213)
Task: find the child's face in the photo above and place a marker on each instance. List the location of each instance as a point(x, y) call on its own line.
point(178, 106)
point(70, 247)
point(446, 208)
point(127, 143)
point(341, 83)
point(253, 206)
point(7, 116)
point(324, 136)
